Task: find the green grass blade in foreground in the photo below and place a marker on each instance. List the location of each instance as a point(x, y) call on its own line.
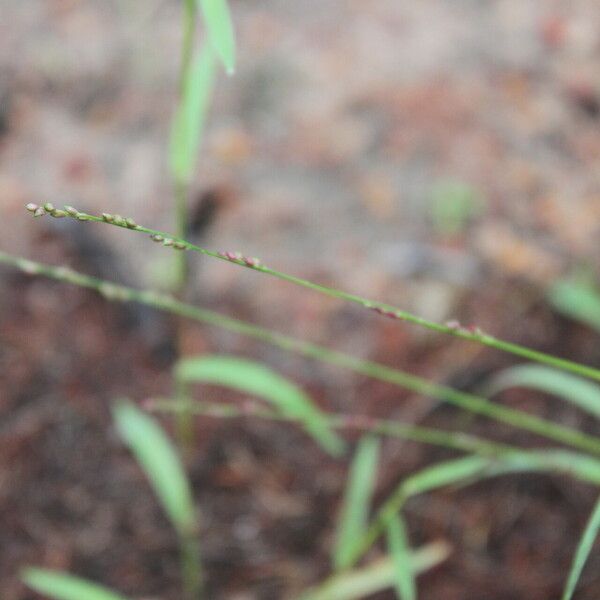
point(357, 499)
point(469, 470)
point(583, 551)
point(162, 466)
point(62, 586)
point(406, 588)
point(219, 25)
point(577, 299)
point(165, 302)
point(376, 577)
point(160, 462)
point(254, 378)
point(578, 391)
point(386, 309)
point(190, 116)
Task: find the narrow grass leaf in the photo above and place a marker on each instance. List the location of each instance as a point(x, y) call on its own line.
point(62, 586)
point(160, 462)
point(190, 116)
point(445, 473)
point(253, 378)
point(375, 577)
point(397, 538)
point(471, 469)
point(578, 391)
point(357, 499)
point(219, 26)
point(577, 299)
point(584, 548)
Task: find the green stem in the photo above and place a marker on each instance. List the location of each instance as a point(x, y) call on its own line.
point(470, 402)
point(183, 425)
point(181, 218)
point(474, 335)
point(191, 566)
point(426, 435)
point(187, 46)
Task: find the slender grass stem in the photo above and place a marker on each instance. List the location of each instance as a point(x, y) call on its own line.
point(469, 402)
point(183, 425)
point(466, 333)
point(459, 441)
point(181, 218)
point(191, 566)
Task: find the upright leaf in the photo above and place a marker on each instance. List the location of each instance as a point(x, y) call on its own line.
point(190, 116)
point(160, 462)
point(581, 392)
point(357, 499)
point(254, 378)
point(406, 588)
point(583, 551)
point(62, 586)
point(219, 26)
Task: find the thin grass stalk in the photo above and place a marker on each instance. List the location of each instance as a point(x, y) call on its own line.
point(183, 425)
point(467, 333)
point(469, 402)
point(459, 441)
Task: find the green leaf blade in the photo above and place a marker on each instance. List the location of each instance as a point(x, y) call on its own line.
point(578, 299)
point(375, 577)
point(190, 117)
point(357, 499)
point(578, 391)
point(256, 379)
point(219, 26)
point(62, 586)
point(160, 462)
point(397, 538)
point(590, 533)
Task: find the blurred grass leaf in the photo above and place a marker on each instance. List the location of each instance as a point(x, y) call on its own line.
point(578, 299)
point(582, 393)
point(471, 469)
point(357, 499)
point(219, 27)
point(62, 586)
point(452, 205)
point(443, 474)
point(399, 549)
point(160, 462)
point(376, 577)
point(253, 378)
point(583, 550)
point(190, 116)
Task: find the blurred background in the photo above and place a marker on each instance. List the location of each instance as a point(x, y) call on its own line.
point(441, 156)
